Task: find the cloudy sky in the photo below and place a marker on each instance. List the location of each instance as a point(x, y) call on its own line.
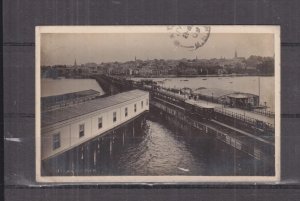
point(65, 48)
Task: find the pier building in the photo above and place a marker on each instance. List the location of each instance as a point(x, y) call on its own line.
point(66, 128)
point(228, 97)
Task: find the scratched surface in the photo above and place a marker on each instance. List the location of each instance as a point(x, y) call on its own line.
point(19, 20)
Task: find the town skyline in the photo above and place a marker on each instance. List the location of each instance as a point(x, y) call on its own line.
point(64, 49)
point(76, 63)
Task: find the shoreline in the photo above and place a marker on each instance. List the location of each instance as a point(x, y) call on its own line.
point(201, 76)
point(165, 76)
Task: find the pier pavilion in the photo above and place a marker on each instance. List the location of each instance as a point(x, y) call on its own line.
point(228, 97)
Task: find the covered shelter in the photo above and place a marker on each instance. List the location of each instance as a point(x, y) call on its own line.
point(227, 97)
point(243, 100)
point(211, 94)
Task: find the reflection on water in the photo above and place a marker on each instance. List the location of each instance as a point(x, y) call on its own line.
point(167, 151)
point(160, 153)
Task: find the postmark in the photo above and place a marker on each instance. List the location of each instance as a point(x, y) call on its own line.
point(189, 37)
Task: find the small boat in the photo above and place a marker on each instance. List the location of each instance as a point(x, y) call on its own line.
point(204, 79)
point(183, 169)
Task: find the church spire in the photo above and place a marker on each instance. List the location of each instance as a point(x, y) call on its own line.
point(235, 54)
point(75, 63)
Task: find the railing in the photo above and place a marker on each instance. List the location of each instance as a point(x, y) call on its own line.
point(267, 127)
point(236, 116)
point(264, 112)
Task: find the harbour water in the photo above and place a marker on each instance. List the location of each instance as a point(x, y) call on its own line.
point(165, 150)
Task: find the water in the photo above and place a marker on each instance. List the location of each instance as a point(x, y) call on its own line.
point(247, 84)
point(165, 150)
point(52, 87)
point(160, 153)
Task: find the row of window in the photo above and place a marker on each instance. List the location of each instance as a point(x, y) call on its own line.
point(56, 137)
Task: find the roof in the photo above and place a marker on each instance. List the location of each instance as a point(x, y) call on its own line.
point(216, 93)
point(55, 116)
point(172, 94)
point(241, 95)
point(200, 104)
point(68, 96)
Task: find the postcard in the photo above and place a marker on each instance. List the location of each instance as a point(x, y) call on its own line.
point(157, 104)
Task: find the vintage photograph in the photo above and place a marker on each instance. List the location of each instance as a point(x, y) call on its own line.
point(167, 104)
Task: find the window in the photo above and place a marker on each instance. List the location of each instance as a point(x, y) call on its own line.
point(99, 122)
point(142, 104)
point(81, 130)
point(134, 107)
point(114, 116)
point(147, 101)
point(56, 141)
point(126, 111)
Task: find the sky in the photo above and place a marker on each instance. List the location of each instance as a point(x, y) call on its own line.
point(62, 48)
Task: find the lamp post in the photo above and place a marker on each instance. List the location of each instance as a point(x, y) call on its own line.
point(259, 88)
point(265, 107)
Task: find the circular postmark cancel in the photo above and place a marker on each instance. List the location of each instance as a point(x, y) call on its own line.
point(189, 37)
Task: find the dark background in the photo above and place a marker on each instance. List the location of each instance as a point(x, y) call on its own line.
point(19, 20)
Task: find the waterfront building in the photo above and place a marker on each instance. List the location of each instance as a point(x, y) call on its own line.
point(63, 129)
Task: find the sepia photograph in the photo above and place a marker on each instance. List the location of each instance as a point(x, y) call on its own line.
point(166, 104)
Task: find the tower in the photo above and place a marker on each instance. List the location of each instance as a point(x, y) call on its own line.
point(75, 63)
point(235, 54)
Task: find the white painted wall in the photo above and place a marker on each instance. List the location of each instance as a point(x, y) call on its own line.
point(74, 135)
point(69, 132)
point(47, 141)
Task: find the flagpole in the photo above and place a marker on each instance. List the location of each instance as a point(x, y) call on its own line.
point(258, 90)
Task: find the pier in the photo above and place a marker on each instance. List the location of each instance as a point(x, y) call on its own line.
point(243, 130)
